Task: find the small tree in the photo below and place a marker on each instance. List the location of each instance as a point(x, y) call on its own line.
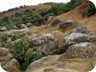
point(91, 9)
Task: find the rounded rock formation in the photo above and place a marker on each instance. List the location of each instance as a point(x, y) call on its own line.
point(81, 50)
point(75, 38)
point(45, 42)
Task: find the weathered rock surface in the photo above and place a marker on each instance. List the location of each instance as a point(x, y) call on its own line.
point(19, 31)
point(78, 57)
point(45, 42)
point(56, 63)
point(75, 38)
point(81, 29)
point(67, 24)
point(4, 51)
point(7, 61)
point(29, 24)
point(81, 50)
point(12, 66)
point(23, 26)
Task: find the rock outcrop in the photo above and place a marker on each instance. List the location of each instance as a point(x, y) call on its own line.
point(74, 38)
point(67, 24)
point(56, 63)
point(45, 42)
point(19, 31)
point(78, 57)
point(8, 62)
point(81, 29)
point(81, 50)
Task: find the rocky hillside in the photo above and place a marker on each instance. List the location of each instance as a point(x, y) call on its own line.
point(66, 43)
point(22, 9)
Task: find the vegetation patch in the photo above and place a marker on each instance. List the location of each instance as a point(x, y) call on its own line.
point(23, 52)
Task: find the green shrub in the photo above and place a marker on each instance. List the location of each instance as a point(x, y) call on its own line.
point(22, 51)
point(91, 9)
point(3, 37)
point(17, 36)
point(19, 51)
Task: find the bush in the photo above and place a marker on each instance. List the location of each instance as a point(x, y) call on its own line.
point(22, 51)
point(17, 36)
point(91, 9)
point(19, 51)
point(3, 39)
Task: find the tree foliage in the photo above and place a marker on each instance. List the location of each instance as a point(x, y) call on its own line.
point(91, 9)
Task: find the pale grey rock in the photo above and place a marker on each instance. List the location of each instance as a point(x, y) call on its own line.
point(3, 29)
point(81, 29)
point(19, 31)
point(45, 42)
point(75, 38)
point(81, 50)
point(29, 24)
point(23, 26)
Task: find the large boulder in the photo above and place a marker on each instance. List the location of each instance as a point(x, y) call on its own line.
point(81, 29)
point(54, 63)
point(81, 50)
point(74, 38)
point(4, 51)
point(46, 42)
point(19, 31)
point(66, 24)
point(5, 55)
point(7, 61)
point(12, 66)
